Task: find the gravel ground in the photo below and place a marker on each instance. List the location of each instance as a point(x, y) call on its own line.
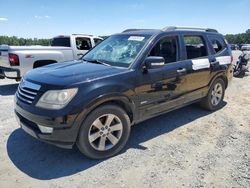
point(188, 147)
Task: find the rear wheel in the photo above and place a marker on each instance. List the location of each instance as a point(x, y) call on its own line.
point(104, 132)
point(214, 99)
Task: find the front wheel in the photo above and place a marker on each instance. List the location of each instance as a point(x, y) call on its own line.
point(214, 99)
point(104, 132)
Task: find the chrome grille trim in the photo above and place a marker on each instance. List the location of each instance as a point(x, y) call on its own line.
point(23, 94)
point(22, 99)
point(27, 91)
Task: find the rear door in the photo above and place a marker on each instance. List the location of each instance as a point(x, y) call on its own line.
point(197, 54)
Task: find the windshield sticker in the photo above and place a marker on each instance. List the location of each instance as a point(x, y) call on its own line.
point(136, 38)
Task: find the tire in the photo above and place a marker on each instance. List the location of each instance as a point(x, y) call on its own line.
point(216, 89)
point(239, 74)
point(109, 123)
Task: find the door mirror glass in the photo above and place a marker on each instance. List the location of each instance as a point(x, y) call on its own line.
point(153, 62)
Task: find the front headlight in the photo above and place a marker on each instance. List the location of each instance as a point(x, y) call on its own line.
point(56, 99)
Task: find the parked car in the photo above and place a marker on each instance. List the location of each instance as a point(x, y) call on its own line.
point(245, 47)
point(234, 46)
point(128, 78)
point(15, 61)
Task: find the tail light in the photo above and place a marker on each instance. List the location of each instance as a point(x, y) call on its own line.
point(14, 59)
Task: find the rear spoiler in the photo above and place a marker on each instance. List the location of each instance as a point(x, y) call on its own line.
point(4, 47)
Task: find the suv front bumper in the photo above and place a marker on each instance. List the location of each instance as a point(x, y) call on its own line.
point(65, 129)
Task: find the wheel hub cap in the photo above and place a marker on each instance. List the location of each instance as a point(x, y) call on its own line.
point(105, 132)
point(216, 94)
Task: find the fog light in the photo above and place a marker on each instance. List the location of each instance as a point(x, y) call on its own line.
point(44, 129)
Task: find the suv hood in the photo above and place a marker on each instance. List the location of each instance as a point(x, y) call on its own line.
point(69, 73)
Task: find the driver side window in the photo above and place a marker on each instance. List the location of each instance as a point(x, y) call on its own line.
point(83, 43)
point(166, 48)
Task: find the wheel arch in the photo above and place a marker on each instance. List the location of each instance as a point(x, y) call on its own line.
point(222, 76)
point(40, 63)
point(122, 101)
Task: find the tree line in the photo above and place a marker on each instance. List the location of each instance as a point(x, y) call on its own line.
point(242, 38)
point(16, 41)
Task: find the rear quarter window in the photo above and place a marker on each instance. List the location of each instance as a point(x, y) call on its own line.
point(61, 41)
point(218, 43)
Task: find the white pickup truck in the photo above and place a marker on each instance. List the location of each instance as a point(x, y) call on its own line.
point(15, 61)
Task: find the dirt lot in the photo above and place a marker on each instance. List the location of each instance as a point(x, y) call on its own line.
point(189, 147)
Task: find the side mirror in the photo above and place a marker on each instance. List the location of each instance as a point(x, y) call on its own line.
point(153, 62)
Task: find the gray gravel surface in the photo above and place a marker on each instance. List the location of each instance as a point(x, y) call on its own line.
point(188, 147)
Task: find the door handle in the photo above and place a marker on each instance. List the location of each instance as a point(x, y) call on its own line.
point(181, 71)
point(79, 56)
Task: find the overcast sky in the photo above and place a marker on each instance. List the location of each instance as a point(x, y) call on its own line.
point(48, 18)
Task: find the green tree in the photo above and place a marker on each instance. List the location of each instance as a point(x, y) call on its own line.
point(23, 42)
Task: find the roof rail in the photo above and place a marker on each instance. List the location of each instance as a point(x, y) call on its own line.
point(83, 34)
point(173, 28)
point(129, 30)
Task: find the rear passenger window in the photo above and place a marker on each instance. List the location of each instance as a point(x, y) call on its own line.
point(166, 48)
point(97, 41)
point(217, 43)
point(195, 47)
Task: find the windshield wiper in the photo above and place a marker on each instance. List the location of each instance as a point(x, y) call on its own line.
point(96, 61)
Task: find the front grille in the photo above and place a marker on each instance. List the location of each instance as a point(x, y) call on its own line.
point(27, 91)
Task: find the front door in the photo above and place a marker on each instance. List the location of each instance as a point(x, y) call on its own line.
point(158, 86)
point(83, 45)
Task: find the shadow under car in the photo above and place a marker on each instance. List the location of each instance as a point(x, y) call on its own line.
point(42, 161)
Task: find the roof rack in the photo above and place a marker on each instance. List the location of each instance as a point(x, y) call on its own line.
point(83, 34)
point(173, 28)
point(129, 30)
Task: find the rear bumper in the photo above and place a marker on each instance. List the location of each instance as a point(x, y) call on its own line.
point(11, 73)
point(64, 133)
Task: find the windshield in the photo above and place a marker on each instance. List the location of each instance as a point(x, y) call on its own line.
point(118, 50)
point(63, 41)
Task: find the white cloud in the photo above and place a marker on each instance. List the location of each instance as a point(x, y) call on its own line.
point(3, 19)
point(42, 17)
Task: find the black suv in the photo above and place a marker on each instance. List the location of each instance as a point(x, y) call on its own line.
point(128, 78)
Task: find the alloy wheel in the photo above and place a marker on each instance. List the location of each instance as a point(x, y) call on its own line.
point(216, 94)
point(105, 132)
